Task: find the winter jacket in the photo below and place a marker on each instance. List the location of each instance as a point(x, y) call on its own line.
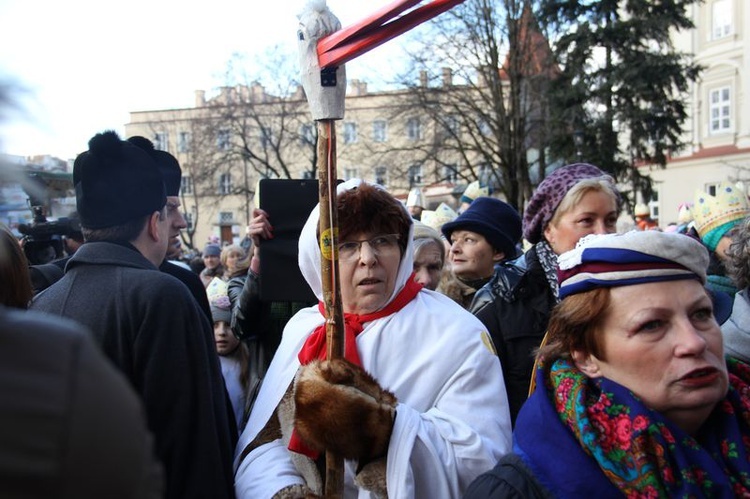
point(152, 329)
point(255, 318)
point(72, 426)
point(736, 330)
point(509, 479)
point(193, 283)
point(515, 307)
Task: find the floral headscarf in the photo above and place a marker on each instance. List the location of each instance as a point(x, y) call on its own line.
point(607, 440)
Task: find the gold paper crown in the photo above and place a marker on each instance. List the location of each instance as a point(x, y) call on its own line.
point(441, 215)
point(475, 190)
point(728, 205)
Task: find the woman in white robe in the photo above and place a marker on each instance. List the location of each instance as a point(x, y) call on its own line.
point(451, 421)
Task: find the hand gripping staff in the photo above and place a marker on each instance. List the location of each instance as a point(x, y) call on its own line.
point(324, 48)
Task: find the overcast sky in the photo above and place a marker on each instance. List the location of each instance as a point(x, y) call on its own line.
point(88, 63)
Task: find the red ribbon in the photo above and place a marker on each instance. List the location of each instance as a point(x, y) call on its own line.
point(315, 345)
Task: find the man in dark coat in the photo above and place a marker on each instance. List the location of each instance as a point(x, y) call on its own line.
point(172, 175)
point(146, 321)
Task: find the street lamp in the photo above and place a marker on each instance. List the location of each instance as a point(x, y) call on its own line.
point(578, 141)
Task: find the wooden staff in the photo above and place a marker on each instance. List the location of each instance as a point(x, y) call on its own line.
point(328, 227)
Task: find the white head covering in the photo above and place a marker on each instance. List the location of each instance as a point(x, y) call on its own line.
point(309, 249)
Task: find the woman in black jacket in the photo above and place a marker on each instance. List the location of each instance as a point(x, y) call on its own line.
point(573, 201)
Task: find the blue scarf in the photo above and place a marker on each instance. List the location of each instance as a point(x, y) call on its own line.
point(593, 437)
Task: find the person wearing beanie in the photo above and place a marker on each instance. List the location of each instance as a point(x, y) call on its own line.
point(635, 395)
point(716, 218)
point(233, 354)
point(212, 263)
point(573, 201)
point(144, 320)
point(172, 175)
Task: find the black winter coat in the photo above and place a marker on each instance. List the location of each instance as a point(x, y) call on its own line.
point(152, 329)
point(515, 307)
point(509, 479)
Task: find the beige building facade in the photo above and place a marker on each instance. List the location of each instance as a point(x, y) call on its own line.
point(227, 143)
point(717, 132)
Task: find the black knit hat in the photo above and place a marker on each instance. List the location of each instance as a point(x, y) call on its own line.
point(168, 165)
point(496, 220)
point(116, 182)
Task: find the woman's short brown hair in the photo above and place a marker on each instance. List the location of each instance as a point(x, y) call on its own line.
point(575, 325)
point(372, 210)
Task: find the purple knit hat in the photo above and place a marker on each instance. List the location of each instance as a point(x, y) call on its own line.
point(550, 193)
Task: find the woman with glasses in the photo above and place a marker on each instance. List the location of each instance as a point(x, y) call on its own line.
point(417, 407)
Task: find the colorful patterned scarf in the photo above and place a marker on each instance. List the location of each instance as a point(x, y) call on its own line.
point(609, 441)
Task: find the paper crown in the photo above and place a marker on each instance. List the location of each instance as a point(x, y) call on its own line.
point(711, 212)
point(415, 198)
point(436, 218)
point(474, 190)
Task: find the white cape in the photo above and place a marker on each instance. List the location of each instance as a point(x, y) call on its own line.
point(452, 421)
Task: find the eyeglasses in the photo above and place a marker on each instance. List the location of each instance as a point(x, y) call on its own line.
point(380, 245)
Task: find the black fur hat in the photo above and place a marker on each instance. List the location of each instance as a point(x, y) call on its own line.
point(168, 165)
point(116, 182)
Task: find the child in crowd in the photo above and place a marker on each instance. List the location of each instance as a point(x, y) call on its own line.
point(233, 354)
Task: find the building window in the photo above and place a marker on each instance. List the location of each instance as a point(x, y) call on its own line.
point(413, 129)
point(450, 173)
point(183, 142)
point(222, 140)
point(225, 183)
point(381, 175)
point(415, 175)
point(350, 132)
point(226, 218)
point(350, 173)
point(186, 184)
point(653, 205)
point(306, 135)
point(721, 19)
point(307, 175)
point(719, 110)
point(712, 189)
point(379, 130)
point(189, 220)
point(161, 141)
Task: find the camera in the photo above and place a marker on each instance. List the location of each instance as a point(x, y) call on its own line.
point(42, 239)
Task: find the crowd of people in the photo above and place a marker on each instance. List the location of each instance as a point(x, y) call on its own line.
point(487, 352)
